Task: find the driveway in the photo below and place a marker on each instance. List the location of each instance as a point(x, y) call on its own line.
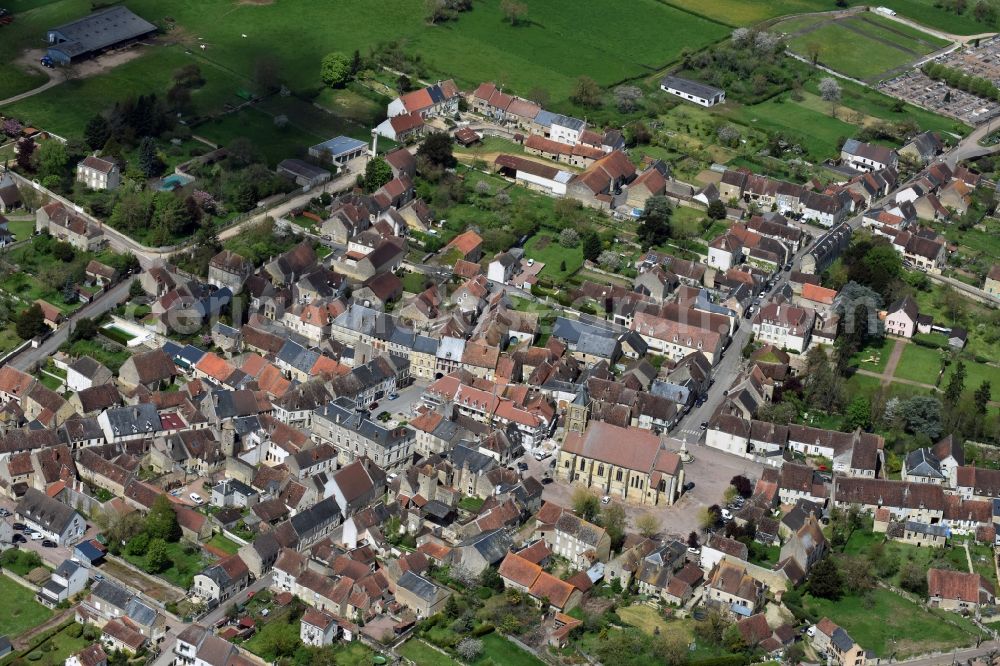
point(53, 557)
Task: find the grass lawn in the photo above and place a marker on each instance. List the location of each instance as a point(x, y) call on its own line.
point(66, 108)
point(21, 229)
point(274, 143)
point(817, 132)
point(473, 504)
point(183, 564)
point(645, 618)
point(903, 627)
point(545, 50)
point(498, 650)
point(107, 355)
point(415, 282)
point(750, 12)
point(874, 357)
point(275, 630)
point(864, 46)
point(546, 249)
point(222, 543)
point(423, 654)
point(919, 364)
point(23, 612)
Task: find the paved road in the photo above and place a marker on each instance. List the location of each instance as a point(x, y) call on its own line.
point(105, 302)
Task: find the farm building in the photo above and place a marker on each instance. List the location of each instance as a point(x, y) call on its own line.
point(90, 35)
point(699, 93)
point(534, 176)
point(339, 150)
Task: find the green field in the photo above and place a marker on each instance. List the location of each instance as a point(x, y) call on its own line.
point(749, 12)
point(919, 364)
point(545, 50)
point(863, 46)
point(817, 132)
point(423, 654)
point(498, 650)
point(23, 612)
point(903, 627)
point(224, 544)
point(66, 108)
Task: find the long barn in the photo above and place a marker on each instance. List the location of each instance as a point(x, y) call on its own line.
point(100, 31)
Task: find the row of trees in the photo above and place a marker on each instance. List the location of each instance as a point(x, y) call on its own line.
point(956, 78)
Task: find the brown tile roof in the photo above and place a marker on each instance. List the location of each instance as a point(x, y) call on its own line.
point(549, 587)
point(602, 441)
point(955, 585)
point(154, 366)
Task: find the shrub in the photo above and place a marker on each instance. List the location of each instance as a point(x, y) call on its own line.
point(483, 629)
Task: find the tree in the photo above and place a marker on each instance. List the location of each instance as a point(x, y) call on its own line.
point(377, 173)
point(83, 329)
point(514, 11)
point(585, 504)
point(609, 260)
point(12, 127)
point(956, 386)
point(671, 649)
point(161, 522)
point(813, 50)
point(717, 210)
point(825, 580)
point(613, 521)
point(627, 98)
point(981, 397)
point(712, 628)
point(732, 639)
point(52, 159)
point(189, 76)
point(913, 578)
point(149, 159)
point(922, 414)
point(692, 540)
point(469, 649)
point(491, 579)
point(654, 223)
point(25, 152)
point(356, 63)
point(97, 132)
point(591, 245)
point(742, 484)
point(829, 90)
point(451, 607)
point(138, 544)
point(569, 238)
point(31, 322)
point(586, 93)
point(436, 150)
point(335, 69)
point(859, 412)
point(648, 524)
point(709, 516)
point(728, 135)
point(437, 11)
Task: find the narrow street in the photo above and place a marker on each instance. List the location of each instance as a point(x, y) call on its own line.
point(103, 303)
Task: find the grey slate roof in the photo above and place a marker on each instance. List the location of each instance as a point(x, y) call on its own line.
point(691, 87)
point(491, 545)
point(921, 462)
point(419, 586)
point(467, 454)
point(134, 419)
point(50, 513)
point(101, 29)
point(112, 593)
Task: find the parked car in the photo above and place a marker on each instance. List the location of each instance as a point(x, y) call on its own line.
point(373, 406)
point(392, 396)
point(19, 538)
point(606, 499)
point(4, 512)
point(20, 527)
point(36, 536)
point(727, 514)
point(703, 425)
point(547, 480)
point(522, 466)
point(196, 498)
point(98, 576)
point(49, 543)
